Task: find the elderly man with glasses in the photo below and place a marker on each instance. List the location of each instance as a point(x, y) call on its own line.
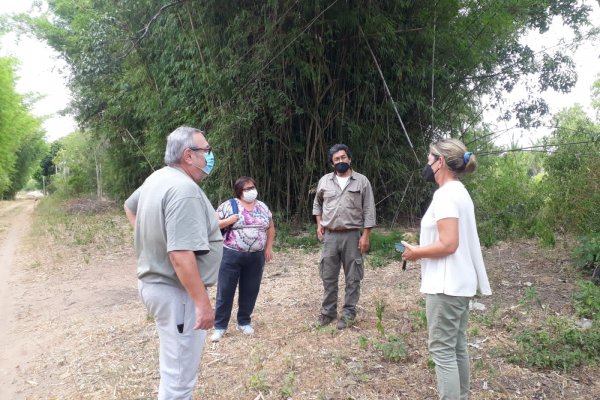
point(179, 248)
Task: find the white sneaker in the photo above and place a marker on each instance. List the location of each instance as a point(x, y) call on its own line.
point(217, 335)
point(246, 329)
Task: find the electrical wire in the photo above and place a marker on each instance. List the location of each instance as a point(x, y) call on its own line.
point(543, 146)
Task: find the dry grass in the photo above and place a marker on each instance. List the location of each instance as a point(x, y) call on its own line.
point(88, 337)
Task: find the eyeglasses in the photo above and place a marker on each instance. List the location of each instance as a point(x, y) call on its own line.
point(207, 149)
point(249, 188)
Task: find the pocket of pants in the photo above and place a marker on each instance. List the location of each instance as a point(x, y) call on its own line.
point(180, 317)
point(357, 272)
point(321, 267)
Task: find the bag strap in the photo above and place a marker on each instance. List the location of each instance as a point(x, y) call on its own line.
point(234, 206)
point(234, 211)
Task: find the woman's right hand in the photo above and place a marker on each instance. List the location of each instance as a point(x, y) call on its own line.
point(409, 253)
point(233, 219)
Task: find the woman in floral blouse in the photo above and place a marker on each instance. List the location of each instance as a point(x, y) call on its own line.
point(247, 244)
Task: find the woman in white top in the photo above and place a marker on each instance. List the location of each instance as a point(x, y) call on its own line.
point(452, 268)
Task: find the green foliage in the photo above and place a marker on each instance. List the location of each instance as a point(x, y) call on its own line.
point(363, 342)
point(586, 254)
point(287, 390)
point(558, 345)
point(21, 136)
point(587, 300)
point(275, 95)
point(419, 316)
point(492, 318)
point(379, 309)
point(259, 381)
point(430, 363)
point(78, 165)
point(291, 235)
point(419, 319)
point(374, 261)
point(47, 168)
point(571, 185)
point(393, 348)
point(381, 243)
point(381, 248)
point(531, 295)
point(536, 195)
point(507, 197)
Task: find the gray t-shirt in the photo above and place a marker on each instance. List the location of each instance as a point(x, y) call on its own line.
point(173, 213)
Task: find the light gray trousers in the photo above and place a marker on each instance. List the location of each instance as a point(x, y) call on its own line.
point(447, 318)
point(180, 346)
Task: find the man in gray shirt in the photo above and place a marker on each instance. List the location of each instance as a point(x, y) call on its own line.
point(179, 248)
point(343, 205)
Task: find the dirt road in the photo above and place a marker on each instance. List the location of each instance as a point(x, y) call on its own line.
point(15, 219)
point(59, 292)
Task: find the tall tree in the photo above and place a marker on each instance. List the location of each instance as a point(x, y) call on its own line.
point(277, 83)
point(21, 135)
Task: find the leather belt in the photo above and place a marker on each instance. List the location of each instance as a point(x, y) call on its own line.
point(341, 230)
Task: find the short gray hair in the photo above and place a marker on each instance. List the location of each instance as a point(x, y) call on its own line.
point(177, 141)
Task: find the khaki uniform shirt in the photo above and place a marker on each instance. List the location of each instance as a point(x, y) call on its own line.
point(350, 208)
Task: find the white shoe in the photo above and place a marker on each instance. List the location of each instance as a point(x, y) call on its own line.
point(246, 329)
point(217, 335)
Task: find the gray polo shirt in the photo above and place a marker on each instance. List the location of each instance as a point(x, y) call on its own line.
point(349, 208)
point(173, 213)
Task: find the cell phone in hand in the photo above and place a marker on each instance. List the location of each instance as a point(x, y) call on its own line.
point(400, 249)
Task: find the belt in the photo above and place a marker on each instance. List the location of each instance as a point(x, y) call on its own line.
point(342, 230)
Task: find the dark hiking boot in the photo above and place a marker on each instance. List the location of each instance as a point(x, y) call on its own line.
point(344, 323)
point(324, 320)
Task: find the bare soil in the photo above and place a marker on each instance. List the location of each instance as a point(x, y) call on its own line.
point(74, 328)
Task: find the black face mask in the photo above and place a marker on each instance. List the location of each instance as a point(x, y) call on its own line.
point(342, 167)
point(428, 174)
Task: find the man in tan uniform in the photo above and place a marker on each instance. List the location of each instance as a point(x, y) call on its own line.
point(343, 205)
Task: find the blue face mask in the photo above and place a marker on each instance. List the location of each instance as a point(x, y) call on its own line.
point(210, 162)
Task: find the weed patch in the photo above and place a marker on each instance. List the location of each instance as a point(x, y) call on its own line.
point(563, 350)
point(587, 300)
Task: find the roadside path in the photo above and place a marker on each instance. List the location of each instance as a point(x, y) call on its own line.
point(15, 219)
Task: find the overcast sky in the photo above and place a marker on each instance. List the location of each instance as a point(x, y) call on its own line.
point(42, 72)
point(587, 60)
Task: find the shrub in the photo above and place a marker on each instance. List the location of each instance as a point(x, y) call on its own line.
point(393, 349)
point(587, 253)
point(587, 300)
point(506, 197)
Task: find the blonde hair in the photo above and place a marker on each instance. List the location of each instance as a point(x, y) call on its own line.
point(455, 153)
